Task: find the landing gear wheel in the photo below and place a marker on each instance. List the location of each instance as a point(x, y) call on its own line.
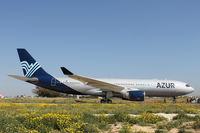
point(102, 101)
point(109, 101)
point(105, 101)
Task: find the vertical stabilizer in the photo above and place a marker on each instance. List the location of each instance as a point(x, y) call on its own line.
point(31, 68)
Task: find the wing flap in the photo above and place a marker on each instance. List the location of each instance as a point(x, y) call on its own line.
point(104, 86)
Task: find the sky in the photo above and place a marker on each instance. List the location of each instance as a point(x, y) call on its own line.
point(101, 39)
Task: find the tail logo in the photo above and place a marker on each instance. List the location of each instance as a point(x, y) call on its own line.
point(30, 69)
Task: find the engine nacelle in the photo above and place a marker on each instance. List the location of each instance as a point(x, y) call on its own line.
point(134, 95)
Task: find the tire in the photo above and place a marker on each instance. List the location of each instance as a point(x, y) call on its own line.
point(102, 101)
point(109, 101)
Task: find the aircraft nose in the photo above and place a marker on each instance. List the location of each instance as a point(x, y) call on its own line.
point(190, 90)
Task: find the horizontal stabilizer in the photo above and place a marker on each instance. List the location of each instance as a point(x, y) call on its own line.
point(66, 72)
point(24, 78)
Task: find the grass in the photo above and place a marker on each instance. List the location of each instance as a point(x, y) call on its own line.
point(66, 115)
point(126, 128)
point(182, 122)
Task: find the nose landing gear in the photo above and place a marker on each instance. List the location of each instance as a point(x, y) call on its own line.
point(174, 99)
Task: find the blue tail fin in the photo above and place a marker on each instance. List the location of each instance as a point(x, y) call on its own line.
point(34, 74)
point(29, 66)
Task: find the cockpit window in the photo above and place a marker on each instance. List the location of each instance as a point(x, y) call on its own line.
point(187, 85)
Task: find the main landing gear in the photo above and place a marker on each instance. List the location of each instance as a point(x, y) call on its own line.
point(106, 101)
point(106, 98)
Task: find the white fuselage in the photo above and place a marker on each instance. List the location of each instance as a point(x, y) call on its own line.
point(152, 88)
point(129, 89)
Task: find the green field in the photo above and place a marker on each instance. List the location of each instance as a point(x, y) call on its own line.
point(88, 115)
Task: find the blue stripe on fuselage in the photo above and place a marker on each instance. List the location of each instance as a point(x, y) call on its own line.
point(51, 83)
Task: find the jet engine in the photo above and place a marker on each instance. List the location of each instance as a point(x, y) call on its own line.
point(134, 95)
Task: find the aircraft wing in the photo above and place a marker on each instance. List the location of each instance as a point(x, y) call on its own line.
point(24, 78)
point(104, 86)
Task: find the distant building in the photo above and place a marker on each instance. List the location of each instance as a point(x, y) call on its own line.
point(1, 96)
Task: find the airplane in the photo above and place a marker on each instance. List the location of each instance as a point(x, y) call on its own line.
point(127, 89)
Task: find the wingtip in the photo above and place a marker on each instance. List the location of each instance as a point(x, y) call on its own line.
point(9, 75)
point(21, 49)
point(65, 71)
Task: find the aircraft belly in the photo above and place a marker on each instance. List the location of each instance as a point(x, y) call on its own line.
point(86, 90)
point(162, 92)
